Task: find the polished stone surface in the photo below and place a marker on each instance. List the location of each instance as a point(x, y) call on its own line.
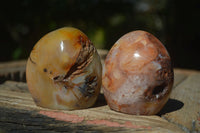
point(138, 74)
point(64, 70)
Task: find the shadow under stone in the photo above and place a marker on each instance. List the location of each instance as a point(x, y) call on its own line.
point(101, 101)
point(170, 106)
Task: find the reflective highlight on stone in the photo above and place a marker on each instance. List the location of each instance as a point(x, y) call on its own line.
point(138, 75)
point(64, 70)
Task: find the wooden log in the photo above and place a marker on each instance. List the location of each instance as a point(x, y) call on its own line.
point(14, 70)
point(186, 93)
point(19, 113)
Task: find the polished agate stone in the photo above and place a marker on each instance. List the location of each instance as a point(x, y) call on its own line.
point(138, 74)
point(64, 70)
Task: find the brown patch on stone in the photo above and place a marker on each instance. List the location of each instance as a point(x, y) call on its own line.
point(32, 60)
point(88, 88)
point(84, 58)
point(156, 92)
point(45, 70)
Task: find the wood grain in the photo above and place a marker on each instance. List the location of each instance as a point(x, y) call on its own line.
point(14, 70)
point(16, 100)
point(187, 92)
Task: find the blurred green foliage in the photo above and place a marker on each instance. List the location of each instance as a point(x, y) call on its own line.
point(175, 23)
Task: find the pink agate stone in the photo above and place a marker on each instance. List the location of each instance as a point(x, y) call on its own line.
point(138, 75)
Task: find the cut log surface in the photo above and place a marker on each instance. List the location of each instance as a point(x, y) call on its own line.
point(18, 112)
point(187, 95)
